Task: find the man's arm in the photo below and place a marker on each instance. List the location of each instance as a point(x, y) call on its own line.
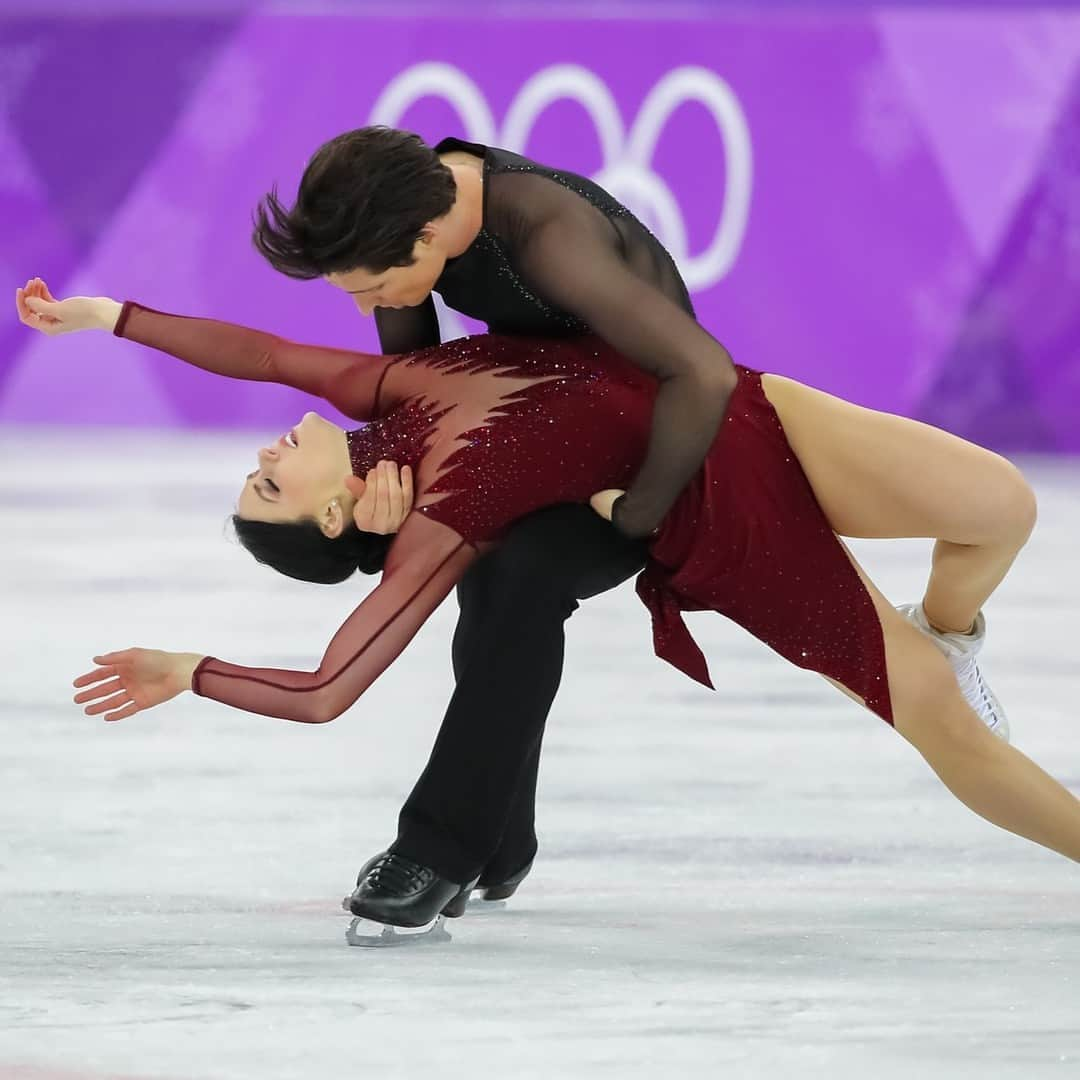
point(403, 330)
point(570, 259)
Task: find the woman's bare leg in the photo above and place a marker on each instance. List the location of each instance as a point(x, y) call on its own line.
point(878, 475)
point(990, 777)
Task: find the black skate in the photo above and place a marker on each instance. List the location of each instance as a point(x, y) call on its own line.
point(491, 889)
point(397, 901)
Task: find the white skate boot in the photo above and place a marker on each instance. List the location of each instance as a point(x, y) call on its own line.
point(960, 650)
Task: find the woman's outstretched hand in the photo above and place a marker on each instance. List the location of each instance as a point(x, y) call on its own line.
point(384, 498)
point(40, 310)
point(132, 680)
point(603, 501)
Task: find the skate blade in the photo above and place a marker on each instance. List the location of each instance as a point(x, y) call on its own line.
point(479, 906)
point(372, 935)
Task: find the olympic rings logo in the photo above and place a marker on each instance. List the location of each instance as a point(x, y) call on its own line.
point(627, 171)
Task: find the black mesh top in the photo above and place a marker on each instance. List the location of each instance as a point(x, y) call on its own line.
point(558, 255)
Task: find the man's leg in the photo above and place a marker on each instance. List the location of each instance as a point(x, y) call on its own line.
point(517, 845)
point(479, 784)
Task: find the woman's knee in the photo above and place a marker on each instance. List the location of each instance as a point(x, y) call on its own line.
point(1016, 508)
point(1023, 505)
point(930, 712)
point(926, 699)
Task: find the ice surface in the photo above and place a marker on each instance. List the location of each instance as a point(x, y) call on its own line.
point(761, 882)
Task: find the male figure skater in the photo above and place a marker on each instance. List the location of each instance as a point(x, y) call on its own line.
point(529, 250)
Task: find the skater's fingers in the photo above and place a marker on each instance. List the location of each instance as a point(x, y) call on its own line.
point(113, 686)
point(25, 314)
point(363, 511)
point(113, 657)
point(94, 676)
point(40, 314)
point(372, 510)
point(124, 713)
point(382, 496)
point(115, 702)
point(41, 306)
point(396, 496)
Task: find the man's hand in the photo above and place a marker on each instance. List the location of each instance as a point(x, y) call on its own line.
point(132, 680)
point(384, 498)
point(40, 310)
point(602, 502)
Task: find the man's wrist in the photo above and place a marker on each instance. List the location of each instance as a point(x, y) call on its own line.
point(618, 517)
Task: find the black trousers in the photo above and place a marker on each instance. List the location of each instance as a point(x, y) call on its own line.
point(472, 810)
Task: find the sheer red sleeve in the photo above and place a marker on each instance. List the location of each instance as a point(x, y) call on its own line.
point(350, 381)
point(425, 561)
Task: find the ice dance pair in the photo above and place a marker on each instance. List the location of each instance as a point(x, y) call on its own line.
point(535, 251)
point(496, 428)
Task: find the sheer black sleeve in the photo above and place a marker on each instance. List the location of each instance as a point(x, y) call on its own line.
point(405, 330)
point(569, 255)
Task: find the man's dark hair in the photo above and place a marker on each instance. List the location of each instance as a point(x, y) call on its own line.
point(363, 200)
point(301, 550)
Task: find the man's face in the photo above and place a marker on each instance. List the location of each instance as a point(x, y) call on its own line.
point(397, 287)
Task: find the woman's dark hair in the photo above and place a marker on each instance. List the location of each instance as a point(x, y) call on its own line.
point(300, 550)
point(363, 201)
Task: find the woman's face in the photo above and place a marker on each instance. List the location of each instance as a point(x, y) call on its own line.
point(301, 475)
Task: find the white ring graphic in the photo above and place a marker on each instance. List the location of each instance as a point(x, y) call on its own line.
point(700, 85)
point(437, 80)
point(627, 170)
point(558, 82)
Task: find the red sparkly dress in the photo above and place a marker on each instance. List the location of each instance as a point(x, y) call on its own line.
point(497, 427)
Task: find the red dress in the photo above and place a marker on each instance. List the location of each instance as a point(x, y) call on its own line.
point(496, 427)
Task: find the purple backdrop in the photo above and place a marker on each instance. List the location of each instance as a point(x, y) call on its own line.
point(884, 204)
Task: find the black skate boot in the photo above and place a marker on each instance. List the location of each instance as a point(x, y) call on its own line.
point(502, 889)
point(398, 901)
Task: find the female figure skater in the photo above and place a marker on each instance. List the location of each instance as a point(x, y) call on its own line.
point(534, 251)
point(494, 428)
